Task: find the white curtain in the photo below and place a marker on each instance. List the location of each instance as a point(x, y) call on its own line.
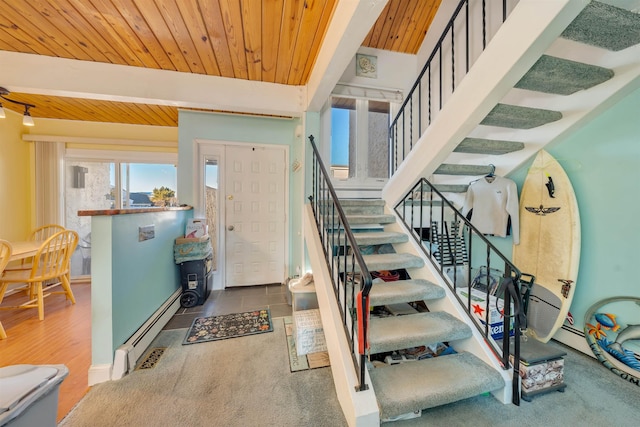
point(49, 183)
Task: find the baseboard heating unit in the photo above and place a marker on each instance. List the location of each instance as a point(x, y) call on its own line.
point(127, 355)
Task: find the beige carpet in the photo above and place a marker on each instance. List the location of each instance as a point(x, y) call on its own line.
point(243, 381)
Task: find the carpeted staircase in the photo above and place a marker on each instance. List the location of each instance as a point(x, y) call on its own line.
point(420, 384)
point(552, 79)
point(561, 90)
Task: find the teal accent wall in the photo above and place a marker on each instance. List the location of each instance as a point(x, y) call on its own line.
point(254, 130)
point(130, 279)
point(602, 161)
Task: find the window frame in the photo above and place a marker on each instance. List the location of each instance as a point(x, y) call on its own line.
point(361, 178)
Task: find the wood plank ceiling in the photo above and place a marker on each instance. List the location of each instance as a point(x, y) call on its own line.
point(273, 41)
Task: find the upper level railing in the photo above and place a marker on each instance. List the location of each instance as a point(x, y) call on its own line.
point(464, 38)
point(345, 263)
point(484, 281)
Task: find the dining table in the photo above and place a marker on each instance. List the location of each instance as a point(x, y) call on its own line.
point(24, 249)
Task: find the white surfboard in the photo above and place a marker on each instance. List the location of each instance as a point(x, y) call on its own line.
point(549, 246)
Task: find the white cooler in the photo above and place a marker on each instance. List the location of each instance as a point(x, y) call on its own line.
point(29, 394)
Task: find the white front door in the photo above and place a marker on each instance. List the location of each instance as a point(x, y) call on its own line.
point(255, 217)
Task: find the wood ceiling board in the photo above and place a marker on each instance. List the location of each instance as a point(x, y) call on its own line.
point(215, 28)
point(95, 110)
point(125, 38)
point(392, 27)
point(232, 21)
point(178, 29)
point(271, 22)
point(201, 40)
point(252, 29)
point(290, 25)
point(46, 30)
point(327, 14)
point(311, 16)
point(392, 9)
point(43, 15)
point(28, 43)
point(373, 38)
point(166, 114)
point(147, 22)
point(427, 11)
point(87, 32)
point(401, 28)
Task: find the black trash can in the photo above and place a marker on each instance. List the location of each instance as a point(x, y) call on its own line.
point(196, 278)
point(195, 258)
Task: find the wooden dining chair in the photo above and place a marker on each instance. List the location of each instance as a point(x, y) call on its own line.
point(5, 254)
point(46, 231)
point(52, 261)
point(40, 234)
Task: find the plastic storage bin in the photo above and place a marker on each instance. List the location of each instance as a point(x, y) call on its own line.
point(29, 394)
point(196, 278)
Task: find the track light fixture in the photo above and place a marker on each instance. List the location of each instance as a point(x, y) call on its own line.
point(27, 120)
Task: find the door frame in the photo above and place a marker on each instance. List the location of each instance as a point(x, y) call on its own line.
point(216, 148)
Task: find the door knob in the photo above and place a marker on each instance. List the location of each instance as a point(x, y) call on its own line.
point(230, 228)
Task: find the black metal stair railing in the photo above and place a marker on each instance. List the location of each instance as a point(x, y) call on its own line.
point(344, 262)
point(468, 26)
point(477, 273)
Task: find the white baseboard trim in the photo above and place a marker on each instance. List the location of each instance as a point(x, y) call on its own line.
point(99, 374)
point(126, 356)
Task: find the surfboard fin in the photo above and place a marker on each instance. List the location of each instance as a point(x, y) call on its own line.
point(550, 187)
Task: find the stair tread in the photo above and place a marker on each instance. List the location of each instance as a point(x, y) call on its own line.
point(452, 169)
point(519, 117)
point(451, 188)
point(379, 262)
point(399, 332)
point(428, 383)
point(371, 219)
point(404, 291)
point(355, 206)
point(488, 146)
point(561, 76)
point(376, 237)
point(621, 24)
point(362, 202)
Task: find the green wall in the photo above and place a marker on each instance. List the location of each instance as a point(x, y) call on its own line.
point(130, 279)
point(238, 128)
point(602, 161)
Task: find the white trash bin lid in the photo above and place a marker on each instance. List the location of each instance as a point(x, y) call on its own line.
point(20, 385)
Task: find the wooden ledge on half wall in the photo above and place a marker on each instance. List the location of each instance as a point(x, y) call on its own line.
point(108, 212)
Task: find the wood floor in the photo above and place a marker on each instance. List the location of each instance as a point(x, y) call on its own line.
point(63, 337)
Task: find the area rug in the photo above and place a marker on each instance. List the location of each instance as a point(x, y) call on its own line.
point(304, 362)
point(214, 328)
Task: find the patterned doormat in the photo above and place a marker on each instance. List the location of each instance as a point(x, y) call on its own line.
point(226, 326)
point(306, 361)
